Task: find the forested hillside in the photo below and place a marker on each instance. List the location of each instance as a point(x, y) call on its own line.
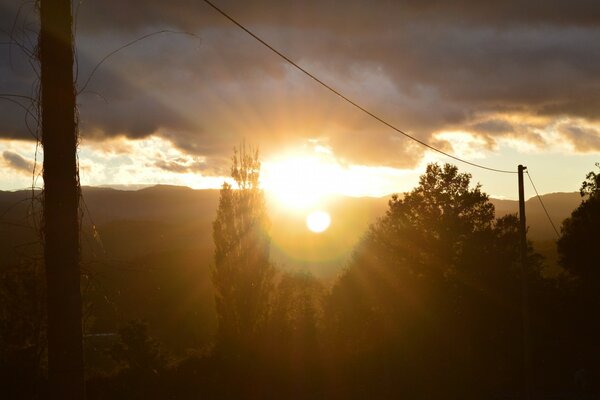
point(154, 246)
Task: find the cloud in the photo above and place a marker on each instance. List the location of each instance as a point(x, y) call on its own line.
point(183, 164)
point(425, 66)
point(150, 160)
point(134, 14)
point(17, 162)
point(493, 127)
point(583, 138)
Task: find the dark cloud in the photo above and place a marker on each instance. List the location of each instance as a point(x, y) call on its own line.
point(583, 139)
point(17, 162)
point(351, 15)
point(17, 76)
point(180, 166)
point(422, 65)
point(523, 129)
point(492, 126)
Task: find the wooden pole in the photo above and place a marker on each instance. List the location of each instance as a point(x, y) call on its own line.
point(61, 202)
point(528, 389)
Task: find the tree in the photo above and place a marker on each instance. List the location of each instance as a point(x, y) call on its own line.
point(242, 274)
point(591, 186)
point(432, 290)
point(137, 350)
point(410, 253)
point(580, 233)
point(577, 251)
point(295, 313)
point(22, 329)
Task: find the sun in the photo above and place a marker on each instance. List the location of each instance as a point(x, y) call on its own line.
point(300, 181)
point(318, 221)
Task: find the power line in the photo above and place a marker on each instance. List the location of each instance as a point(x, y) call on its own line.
point(542, 203)
point(331, 89)
point(112, 53)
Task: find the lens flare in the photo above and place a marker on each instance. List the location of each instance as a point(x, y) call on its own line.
point(318, 221)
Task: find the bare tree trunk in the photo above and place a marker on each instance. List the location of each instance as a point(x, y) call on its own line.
point(61, 202)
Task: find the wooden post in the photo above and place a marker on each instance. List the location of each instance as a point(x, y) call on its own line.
point(527, 372)
point(61, 202)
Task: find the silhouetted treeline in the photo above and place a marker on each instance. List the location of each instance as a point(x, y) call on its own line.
point(428, 307)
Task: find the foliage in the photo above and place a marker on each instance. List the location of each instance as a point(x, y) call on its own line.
point(22, 328)
point(591, 186)
point(580, 233)
point(581, 302)
point(433, 285)
point(294, 318)
point(440, 214)
point(137, 350)
point(242, 274)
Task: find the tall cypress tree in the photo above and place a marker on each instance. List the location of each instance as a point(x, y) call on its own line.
point(242, 274)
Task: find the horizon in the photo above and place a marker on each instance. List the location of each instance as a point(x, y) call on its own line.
point(141, 186)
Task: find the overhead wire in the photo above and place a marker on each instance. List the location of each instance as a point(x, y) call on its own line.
point(542, 204)
point(348, 100)
point(126, 45)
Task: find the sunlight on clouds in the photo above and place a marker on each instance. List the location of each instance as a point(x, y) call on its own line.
point(464, 144)
point(530, 147)
point(308, 177)
point(151, 161)
point(528, 135)
point(559, 136)
point(116, 161)
point(581, 136)
point(532, 134)
point(19, 175)
point(304, 179)
point(299, 179)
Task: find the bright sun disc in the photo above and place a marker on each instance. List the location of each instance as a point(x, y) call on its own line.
point(318, 221)
point(299, 182)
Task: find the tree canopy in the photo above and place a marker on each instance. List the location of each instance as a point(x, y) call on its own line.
point(591, 186)
point(434, 282)
point(242, 274)
point(580, 234)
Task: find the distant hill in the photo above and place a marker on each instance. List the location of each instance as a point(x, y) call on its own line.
point(558, 205)
point(132, 224)
point(153, 246)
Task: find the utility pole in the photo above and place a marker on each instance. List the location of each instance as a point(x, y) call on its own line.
point(61, 202)
point(527, 372)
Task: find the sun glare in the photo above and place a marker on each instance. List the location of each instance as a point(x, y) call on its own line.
point(318, 221)
point(299, 182)
point(309, 179)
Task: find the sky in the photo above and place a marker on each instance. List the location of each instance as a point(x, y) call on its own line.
point(495, 83)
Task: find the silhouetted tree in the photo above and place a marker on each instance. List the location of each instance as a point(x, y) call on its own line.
point(295, 314)
point(580, 235)
point(577, 246)
point(143, 371)
point(432, 293)
point(242, 274)
point(22, 329)
point(137, 350)
point(591, 186)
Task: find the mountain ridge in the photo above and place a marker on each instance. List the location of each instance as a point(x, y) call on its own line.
point(166, 217)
